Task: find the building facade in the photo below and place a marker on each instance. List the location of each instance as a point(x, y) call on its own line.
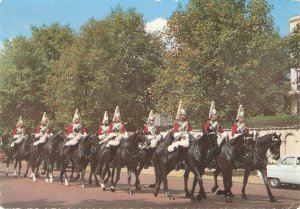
point(295, 77)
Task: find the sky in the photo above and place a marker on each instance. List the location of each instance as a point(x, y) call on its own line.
point(16, 16)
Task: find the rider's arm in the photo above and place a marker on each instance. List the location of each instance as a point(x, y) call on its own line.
point(37, 132)
point(206, 128)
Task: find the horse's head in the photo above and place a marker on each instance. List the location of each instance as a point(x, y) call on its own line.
point(212, 142)
point(59, 136)
point(141, 137)
point(275, 146)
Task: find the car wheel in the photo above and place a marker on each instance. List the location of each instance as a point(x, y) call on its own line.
point(275, 183)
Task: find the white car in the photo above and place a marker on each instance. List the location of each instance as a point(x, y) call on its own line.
point(285, 171)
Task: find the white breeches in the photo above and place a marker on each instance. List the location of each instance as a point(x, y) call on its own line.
point(74, 141)
point(101, 137)
point(41, 140)
point(184, 142)
point(154, 140)
point(114, 142)
point(18, 141)
point(221, 137)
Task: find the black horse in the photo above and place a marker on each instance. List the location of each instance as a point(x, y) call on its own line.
point(207, 144)
point(80, 158)
point(47, 152)
point(103, 161)
point(22, 152)
point(225, 162)
point(259, 161)
point(128, 155)
point(165, 162)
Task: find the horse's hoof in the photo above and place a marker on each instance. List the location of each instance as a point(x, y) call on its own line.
point(47, 180)
point(43, 173)
point(188, 195)
point(155, 194)
point(214, 189)
point(103, 188)
point(273, 199)
point(152, 185)
point(90, 182)
point(34, 180)
point(138, 188)
point(6, 173)
point(97, 184)
point(199, 198)
point(171, 197)
point(112, 189)
point(82, 186)
point(244, 197)
point(51, 181)
point(131, 193)
point(228, 200)
point(193, 199)
point(59, 183)
point(24, 176)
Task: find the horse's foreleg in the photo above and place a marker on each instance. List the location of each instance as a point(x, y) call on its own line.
point(15, 167)
point(82, 178)
point(158, 179)
point(186, 178)
point(216, 186)
point(245, 181)
point(197, 178)
point(137, 179)
point(107, 170)
point(165, 180)
point(129, 180)
point(26, 172)
point(155, 171)
point(226, 182)
point(264, 174)
point(117, 177)
point(20, 166)
point(112, 188)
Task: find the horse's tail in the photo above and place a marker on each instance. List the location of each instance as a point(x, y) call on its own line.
point(220, 192)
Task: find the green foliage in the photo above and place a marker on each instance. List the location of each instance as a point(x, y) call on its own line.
point(226, 51)
point(111, 62)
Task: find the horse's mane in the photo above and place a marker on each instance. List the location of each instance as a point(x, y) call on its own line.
point(265, 138)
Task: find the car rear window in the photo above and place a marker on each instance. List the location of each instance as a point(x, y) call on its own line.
point(288, 161)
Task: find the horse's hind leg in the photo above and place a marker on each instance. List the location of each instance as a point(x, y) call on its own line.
point(216, 186)
point(155, 171)
point(112, 188)
point(15, 167)
point(197, 178)
point(20, 166)
point(186, 178)
point(107, 170)
point(82, 178)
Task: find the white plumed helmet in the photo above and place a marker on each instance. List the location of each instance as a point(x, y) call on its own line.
point(76, 115)
point(117, 113)
point(212, 110)
point(45, 118)
point(151, 116)
point(20, 121)
point(105, 117)
point(241, 112)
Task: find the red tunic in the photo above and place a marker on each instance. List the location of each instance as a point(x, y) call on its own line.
point(146, 130)
point(176, 127)
point(121, 130)
point(101, 131)
point(70, 129)
point(38, 129)
point(234, 129)
point(208, 128)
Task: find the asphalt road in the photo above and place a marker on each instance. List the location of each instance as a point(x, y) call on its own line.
point(23, 193)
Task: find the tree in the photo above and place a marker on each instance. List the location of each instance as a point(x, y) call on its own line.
point(24, 66)
point(226, 51)
point(111, 62)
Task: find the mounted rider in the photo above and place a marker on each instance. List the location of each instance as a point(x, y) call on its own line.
point(75, 131)
point(18, 133)
point(181, 129)
point(103, 129)
point(116, 130)
point(152, 132)
point(153, 135)
point(239, 127)
point(42, 132)
point(213, 127)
